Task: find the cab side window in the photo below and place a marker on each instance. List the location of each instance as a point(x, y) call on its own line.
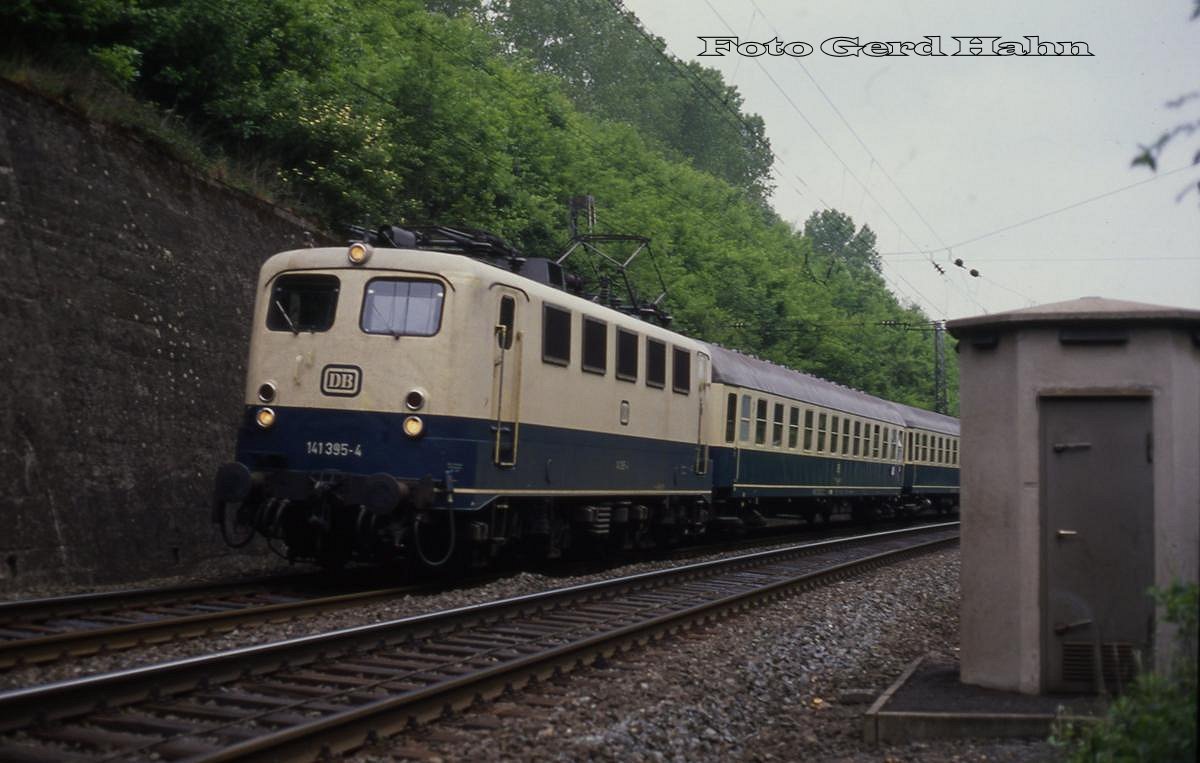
point(556, 335)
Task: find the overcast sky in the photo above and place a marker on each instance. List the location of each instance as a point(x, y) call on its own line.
point(977, 144)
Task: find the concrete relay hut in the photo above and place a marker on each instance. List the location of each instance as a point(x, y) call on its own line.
point(1080, 488)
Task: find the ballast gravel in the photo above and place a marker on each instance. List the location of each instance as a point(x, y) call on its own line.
point(786, 682)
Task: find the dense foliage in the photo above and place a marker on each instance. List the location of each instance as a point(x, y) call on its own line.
point(493, 114)
point(1155, 721)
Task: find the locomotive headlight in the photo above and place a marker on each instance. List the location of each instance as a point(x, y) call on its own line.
point(265, 418)
point(414, 427)
point(359, 253)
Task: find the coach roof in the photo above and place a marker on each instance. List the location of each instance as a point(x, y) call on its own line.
point(922, 419)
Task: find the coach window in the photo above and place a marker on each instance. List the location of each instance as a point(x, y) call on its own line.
point(627, 356)
point(681, 371)
point(875, 441)
point(556, 335)
point(760, 422)
point(845, 436)
point(956, 452)
point(656, 363)
point(833, 435)
point(808, 429)
point(925, 448)
point(884, 447)
point(821, 424)
point(777, 429)
point(744, 435)
point(595, 346)
point(402, 307)
point(857, 436)
point(730, 417)
point(793, 427)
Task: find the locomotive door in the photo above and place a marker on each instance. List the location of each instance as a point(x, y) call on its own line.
point(702, 374)
point(506, 377)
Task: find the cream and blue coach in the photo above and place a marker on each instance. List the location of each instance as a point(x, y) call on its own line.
point(931, 463)
point(794, 443)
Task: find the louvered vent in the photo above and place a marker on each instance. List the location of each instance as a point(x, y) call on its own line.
point(1118, 664)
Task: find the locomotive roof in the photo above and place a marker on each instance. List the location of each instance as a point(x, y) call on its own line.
point(923, 419)
point(730, 367)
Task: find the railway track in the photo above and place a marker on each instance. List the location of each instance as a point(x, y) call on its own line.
point(326, 694)
point(38, 631)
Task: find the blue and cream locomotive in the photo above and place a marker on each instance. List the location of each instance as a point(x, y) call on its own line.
point(410, 403)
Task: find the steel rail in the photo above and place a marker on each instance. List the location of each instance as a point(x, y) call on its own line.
point(88, 641)
point(352, 726)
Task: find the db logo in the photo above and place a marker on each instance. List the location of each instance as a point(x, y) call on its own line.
point(341, 381)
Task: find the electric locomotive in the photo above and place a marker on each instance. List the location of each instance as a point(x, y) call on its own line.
point(407, 402)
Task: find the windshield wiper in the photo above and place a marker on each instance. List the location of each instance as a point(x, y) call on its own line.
point(287, 318)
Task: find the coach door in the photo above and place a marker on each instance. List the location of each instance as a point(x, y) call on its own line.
point(507, 346)
point(1097, 540)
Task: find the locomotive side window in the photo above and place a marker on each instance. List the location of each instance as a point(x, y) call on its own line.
point(760, 422)
point(656, 363)
point(508, 311)
point(595, 346)
point(303, 303)
point(793, 427)
point(556, 335)
point(777, 429)
point(845, 437)
point(402, 307)
point(681, 371)
point(730, 412)
point(744, 435)
point(833, 435)
point(627, 356)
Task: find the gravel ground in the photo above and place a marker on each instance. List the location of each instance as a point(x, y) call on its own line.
point(787, 682)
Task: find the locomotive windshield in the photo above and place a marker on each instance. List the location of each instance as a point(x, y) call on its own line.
point(402, 307)
point(303, 303)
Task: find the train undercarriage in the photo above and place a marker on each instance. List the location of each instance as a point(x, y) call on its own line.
point(335, 519)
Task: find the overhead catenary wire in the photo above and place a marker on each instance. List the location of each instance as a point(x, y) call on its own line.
point(1044, 215)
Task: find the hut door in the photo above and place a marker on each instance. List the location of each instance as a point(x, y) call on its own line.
point(1097, 540)
point(506, 378)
